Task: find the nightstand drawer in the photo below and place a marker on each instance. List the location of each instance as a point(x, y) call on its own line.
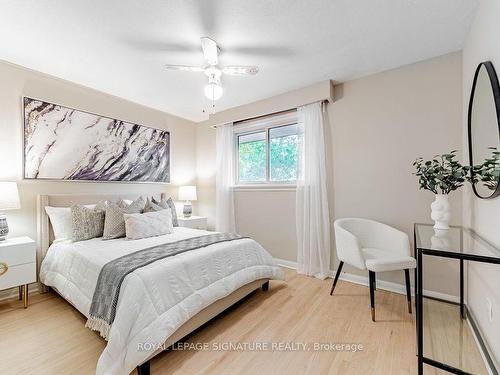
point(17, 253)
point(18, 275)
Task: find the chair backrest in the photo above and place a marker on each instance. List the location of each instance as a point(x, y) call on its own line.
point(348, 245)
point(353, 234)
point(370, 233)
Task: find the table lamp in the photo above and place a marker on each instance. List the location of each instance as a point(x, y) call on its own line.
point(9, 200)
point(187, 194)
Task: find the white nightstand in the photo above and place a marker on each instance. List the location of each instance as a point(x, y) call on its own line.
point(18, 264)
point(195, 222)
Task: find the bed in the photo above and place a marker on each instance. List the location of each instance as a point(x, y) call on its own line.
point(159, 303)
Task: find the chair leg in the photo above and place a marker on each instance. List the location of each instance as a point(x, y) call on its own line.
point(372, 293)
point(408, 293)
point(339, 270)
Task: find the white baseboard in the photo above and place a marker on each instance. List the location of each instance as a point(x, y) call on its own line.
point(286, 263)
point(381, 284)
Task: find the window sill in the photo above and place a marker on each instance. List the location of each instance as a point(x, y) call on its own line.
point(265, 187)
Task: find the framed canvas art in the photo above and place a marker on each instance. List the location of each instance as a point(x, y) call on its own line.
point(62, 143)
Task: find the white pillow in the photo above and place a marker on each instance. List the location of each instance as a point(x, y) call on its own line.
point(60, 219)
point(149, 224)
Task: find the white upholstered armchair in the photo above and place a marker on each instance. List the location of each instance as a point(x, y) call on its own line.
point(377, 247)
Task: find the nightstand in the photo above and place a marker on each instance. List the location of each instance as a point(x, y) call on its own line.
point(194, 222)
point(18, 265)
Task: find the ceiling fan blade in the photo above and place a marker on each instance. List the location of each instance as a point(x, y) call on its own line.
point(241, 70)
point(210, 50)
point(186, 68)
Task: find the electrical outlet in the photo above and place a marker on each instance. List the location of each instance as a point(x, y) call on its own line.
point(490, 309)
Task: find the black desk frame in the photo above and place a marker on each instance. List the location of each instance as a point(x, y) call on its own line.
point(419, 297)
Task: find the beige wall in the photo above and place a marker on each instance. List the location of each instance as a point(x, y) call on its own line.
point(483, 43)
point(17, 81)
point(375, 129)
point(379, 125)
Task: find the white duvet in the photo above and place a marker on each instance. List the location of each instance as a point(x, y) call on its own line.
point(157, 299)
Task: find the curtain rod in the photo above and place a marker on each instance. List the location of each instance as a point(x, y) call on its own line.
point(323, 102)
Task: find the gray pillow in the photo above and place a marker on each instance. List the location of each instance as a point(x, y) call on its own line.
point(114, 224)
point(148, 224)
point(87, 223)
point(169, 203)
point(122, 203)
point(153, 207)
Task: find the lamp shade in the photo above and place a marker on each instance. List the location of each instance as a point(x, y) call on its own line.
point(9, 196)
point(187, 193)
point(213, 91)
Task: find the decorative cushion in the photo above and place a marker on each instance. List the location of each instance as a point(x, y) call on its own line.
point(87, 222)
point(153, 207)
point(122, 203)
point(149, 224)
point(60, 220)
point(170, 204)
point(114, 224)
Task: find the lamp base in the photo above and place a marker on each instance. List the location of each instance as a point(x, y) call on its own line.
point(4, 228)
point(187, 210)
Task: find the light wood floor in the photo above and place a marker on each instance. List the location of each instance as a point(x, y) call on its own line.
point(49, 337)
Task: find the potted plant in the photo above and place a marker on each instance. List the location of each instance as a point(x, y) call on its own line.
point(441, 175)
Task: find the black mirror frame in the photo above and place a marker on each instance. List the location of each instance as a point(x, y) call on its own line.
point(496, 95)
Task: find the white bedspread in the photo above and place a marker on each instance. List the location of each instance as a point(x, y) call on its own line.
point(157, 299)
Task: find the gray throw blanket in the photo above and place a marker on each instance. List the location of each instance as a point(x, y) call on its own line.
point(107, 290)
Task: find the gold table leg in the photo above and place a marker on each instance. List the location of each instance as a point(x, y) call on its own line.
point(20, 292)
point(25, 287)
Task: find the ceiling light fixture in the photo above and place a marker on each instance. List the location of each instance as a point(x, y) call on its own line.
point(213, 91)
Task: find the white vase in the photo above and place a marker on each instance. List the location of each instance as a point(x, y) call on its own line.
point(441, 212)
point(440, 240)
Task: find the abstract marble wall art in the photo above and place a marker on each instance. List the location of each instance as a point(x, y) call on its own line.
point(63, 143)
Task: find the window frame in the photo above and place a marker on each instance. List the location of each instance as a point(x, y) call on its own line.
point(259, 126)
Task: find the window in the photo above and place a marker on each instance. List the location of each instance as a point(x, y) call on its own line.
point(267, 152)
point(283, 150)
point(252, 157)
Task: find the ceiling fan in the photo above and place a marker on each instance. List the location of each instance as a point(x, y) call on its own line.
point(213, 90)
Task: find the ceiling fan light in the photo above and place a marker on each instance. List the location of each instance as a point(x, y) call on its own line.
point(213, 91)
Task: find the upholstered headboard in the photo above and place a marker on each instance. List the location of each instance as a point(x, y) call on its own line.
point(45, 234)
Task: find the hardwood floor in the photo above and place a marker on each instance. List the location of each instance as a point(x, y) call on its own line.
point(50, 338)
point(449, 339)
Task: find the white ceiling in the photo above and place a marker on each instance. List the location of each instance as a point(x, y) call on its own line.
point(120, 46)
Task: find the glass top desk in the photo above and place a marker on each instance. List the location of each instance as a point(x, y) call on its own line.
point(456, 243)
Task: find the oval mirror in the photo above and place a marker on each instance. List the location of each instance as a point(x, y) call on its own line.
point(484, 131)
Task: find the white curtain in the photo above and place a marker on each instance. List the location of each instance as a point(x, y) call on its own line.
point(313, 221)
point(224, 214)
